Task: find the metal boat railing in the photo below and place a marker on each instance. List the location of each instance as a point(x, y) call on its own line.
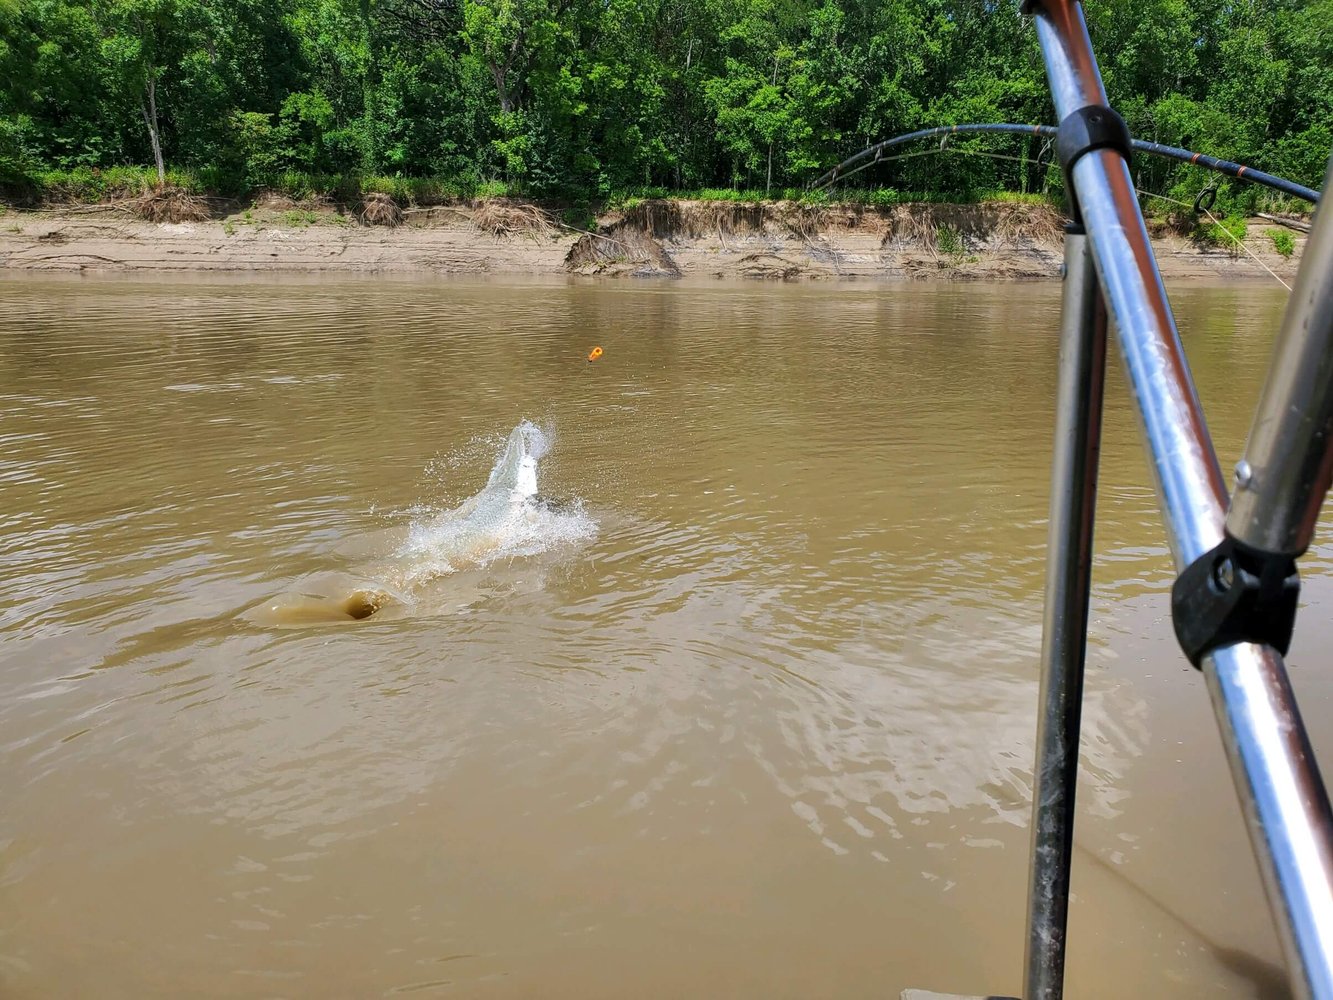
point(1234, 601)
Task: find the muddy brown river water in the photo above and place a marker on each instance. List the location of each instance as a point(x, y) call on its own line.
point(750, 715)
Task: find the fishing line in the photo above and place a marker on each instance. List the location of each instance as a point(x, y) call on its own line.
point(1213, 219)
point(944, 148)
point(884, 159)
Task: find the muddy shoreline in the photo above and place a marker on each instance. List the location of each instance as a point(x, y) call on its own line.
point(652, 239)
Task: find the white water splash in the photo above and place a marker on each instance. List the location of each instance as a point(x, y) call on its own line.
point(507, 519)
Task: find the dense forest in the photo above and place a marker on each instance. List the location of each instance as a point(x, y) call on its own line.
point(560, 98)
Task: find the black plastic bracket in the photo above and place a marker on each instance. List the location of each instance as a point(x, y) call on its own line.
point(1234, 593)
point(1092, 127)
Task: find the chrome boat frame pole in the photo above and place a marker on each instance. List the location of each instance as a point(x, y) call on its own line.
point(1288, 464)
point(1281, 483)
point(1078, 420)
point(1279, 784)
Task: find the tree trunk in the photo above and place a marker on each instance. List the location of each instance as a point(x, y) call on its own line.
point(1038, 170)
point(498, 74)
point(370, 92)
point(148, 105)
point(768, 181)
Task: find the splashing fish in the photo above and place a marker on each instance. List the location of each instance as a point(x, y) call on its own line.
point(507, 518)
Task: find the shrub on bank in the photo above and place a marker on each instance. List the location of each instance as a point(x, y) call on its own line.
point(88, 185)
point(91, 185)
point(1226, 234)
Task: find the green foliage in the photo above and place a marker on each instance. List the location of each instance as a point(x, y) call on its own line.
point(1283, 242)
point(580, 217)
point(91, 184)
point(299, 217)
point(949, 242)
point(257, 140)
point(725, 194)
point(18, 156)
point(884, 198)
point(580, 100)
point(1022, 198)
point(492, 189)
point(1226, 234)
point(888, 197)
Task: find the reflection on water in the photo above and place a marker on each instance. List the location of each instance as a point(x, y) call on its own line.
point(760, 724)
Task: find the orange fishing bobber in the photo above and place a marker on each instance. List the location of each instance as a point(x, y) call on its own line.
point(594, 354)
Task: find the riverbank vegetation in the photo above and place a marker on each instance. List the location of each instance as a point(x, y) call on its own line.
point(576, 102)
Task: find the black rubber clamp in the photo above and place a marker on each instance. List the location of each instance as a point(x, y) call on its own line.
point(1207, 199)
point(1234, 593)
point(1093, 127)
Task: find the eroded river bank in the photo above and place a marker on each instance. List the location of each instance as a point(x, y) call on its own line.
point(783, 241)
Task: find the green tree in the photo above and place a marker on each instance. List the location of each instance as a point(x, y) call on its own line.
point(580, 97)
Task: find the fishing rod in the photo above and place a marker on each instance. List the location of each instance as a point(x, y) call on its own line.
point(871, 155)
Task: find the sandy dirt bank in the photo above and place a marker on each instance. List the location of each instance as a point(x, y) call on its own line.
point(652, 239)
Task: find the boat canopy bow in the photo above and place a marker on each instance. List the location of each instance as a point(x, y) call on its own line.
point(871, 155)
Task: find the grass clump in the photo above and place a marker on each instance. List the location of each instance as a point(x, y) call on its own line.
point(724, 194)
point(1283, 242)
point(1227, 234)
point(414, 190)
point(888, 197)
point(300, 217)
point(92, 185)
point(949, 242)
point(493, 189)
point(1022, 198)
